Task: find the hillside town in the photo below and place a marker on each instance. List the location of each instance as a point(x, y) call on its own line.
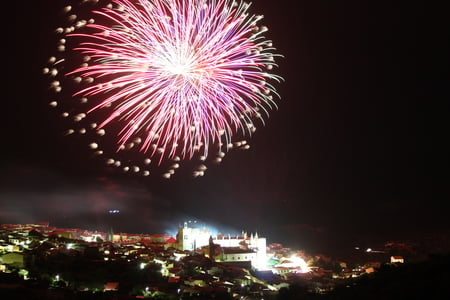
point(192, 265)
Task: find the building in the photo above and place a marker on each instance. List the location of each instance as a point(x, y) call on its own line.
point(230, 254)
point(397, 259)
point(13, 259)
point(189, 238)
point(233, 249)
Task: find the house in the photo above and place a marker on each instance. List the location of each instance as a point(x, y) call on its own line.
point(397, 260)
point(13, 259)
point(61, 234)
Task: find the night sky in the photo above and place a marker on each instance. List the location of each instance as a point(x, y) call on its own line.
point(346, 158)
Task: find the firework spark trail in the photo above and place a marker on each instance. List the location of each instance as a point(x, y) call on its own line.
point(179, 75)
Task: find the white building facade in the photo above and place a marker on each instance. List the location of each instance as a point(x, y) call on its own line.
point(191, 239)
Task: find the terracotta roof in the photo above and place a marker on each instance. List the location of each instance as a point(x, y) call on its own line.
point(58, 232)
point(171, 240)
point(174, 279)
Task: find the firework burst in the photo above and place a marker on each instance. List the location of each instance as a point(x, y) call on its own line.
point(171, 80)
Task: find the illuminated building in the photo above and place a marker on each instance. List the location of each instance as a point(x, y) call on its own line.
point(189, 238)
point(233, 249)
point(397, 259)
point(14, 259)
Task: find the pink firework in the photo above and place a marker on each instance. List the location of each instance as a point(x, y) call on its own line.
point(174, 79)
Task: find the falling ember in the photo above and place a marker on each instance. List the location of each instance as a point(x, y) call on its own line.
point(169, 80)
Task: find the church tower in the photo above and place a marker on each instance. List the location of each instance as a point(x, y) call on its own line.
point(211, 249)
point(110, 235)
point(191, 238)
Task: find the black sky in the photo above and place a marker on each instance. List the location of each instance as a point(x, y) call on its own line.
point(347, 155)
